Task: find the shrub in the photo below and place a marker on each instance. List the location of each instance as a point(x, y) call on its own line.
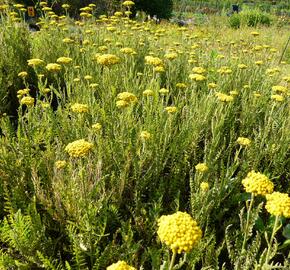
point(235, 21)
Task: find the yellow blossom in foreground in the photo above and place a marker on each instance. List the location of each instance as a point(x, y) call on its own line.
point(60, 164)
point(22, 74)
point(243, 141)
point(108, 60)
point(120, 265)
point(197, 77)
point(257, 183)
point(128, 3)
point(171, 109)
point(65, 6)
point(163, 91)
point(254, 33)
point(212, 85)
point(179, 231)
point(64, 60)
point(171, 56)
point(80, 108)
point(53, 67)
point(159, 69)
point(278, 204)
point(127, 50)
point(224, 70)
point(28, 101)
point(34, 62)
point(201, 167)
point(223, 97)
point(242, 66)
point(278, 98)
point(154, 61)
point(23, 92)
point(204, 186)
point(122, 104)
point(181, 85)
point(279, 88)
point(128, 97)
point(198, 70)
point(79, 148)
point(97, 127)
point(148, 93)
point(145, 135)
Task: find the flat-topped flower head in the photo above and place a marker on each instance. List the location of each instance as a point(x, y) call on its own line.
point(278, 204)
point(179, 231)
point(258, 183)
point(79, 108)
point(120, 265)
point(201, 167)
point(108, 60)
point(79, 148)
point(243, 141)
point(28, 101)
point(64, 60)
point(128, 3)
point(53, 67)
point(35, 62)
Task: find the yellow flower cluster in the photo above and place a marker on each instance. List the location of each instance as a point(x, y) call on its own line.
point(278, 204)
point(53, 67)
point(197, 77)
point(79, 148)
point(108, 60)
point(198, 70)
point(243, 141)
point(80, 108)
point(34, 62)
point(97, 127)
point(125, 99)
point(257, 183)
point(28, 101)
point(224, 97)
point(128, 50)
point(145, 135)
point(171, 56)
point(64, 60)
point(120, 265)
point(279, 88)
point(171, 109)
point(179, 231)
point(154, 61)
point(201, 167)
point(204, 186)
point(278, 98)
point(60, 164)
point(128, 3)
point(224, 70)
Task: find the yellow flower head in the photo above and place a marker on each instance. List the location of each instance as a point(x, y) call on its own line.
point(257, 183)
point(108, 59)
point(197, 77)
point(279, 88)
point(120, 265)
point(278, 204)
point(22, 74)
point(212, 85)
point(242, 66)
point(223, 97)
point(145, 135)
point(65, 6)
point(148, 93)
point(60, 164)
point(171, 56)
point(34, 62)
point(198, 70)
point(97, 127)
point(80, 108)
point(243, 141)
point(128, 97)
point(278, 98)
point(53, 67)
point(28, 101)
point(163, 91)
point(127, 50)
point(64, 60)
point(79, 148)
point(128, 3)
point(171, 109)
point(179, 231)
point(201, 167)
point(154, 61)
point(204, 186)
point(181, 85)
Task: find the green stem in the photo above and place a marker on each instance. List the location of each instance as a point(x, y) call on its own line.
point(271, 240)
point(247, 224)
point(172, 261)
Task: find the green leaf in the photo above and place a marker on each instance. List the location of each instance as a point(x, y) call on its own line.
point(286, 231)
